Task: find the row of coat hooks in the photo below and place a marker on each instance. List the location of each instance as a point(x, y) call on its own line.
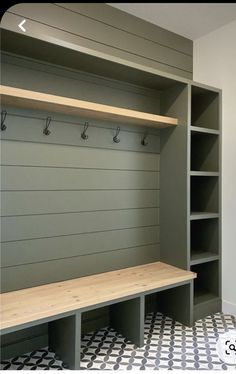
point(84, 134)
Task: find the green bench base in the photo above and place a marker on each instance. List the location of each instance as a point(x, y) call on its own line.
point(126, 317)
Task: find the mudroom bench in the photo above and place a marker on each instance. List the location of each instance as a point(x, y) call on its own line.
point(61, 304)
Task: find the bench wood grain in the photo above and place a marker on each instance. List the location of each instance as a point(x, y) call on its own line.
point(36, 303)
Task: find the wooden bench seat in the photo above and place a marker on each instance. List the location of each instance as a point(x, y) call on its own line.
point(62, 300)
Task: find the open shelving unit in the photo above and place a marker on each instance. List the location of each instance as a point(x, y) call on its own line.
point(205, 251)
point(37, 100)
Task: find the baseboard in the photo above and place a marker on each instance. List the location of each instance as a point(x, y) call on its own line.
point(228, 308)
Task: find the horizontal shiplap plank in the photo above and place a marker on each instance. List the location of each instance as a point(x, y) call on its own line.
point(30, 275)
point(37, 154)
point(38, 250)
point(31, 130)
point(29, 227)
point(102, 34)
point(131, 24)
point(38, 178)
point(44, 202)
point(74, 56)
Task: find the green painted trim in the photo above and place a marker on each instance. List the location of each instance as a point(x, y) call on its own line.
point(128, 319)
point(65, 339)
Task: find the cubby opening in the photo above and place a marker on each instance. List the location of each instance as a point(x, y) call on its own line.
point(206, 285)
point(204, 152)
point(204, 194)
point(204, 240)
point(205, 108)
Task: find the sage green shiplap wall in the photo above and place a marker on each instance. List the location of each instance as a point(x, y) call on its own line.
point(113, 32)
point(72, 207)
point(105, 29)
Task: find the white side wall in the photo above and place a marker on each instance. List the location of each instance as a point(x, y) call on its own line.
point(215, 64)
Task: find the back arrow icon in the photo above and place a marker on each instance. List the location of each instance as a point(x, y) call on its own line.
point(21, 25)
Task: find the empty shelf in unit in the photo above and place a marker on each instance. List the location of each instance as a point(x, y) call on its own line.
point(203, 296)
point(38, 100)
point(204, 130)
point(203, 215)
point(204, 173)
point(199, 257)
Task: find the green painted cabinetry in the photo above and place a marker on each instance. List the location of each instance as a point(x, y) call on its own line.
point(205, 198)
point(72, 207)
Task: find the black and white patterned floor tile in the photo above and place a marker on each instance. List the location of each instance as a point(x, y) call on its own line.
point(168, 345)
point(41, 359)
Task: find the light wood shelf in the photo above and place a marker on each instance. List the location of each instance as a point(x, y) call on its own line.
point(37, 100)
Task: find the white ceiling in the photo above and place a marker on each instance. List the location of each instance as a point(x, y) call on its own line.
point(191, 20)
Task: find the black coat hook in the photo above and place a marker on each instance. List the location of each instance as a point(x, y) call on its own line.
point(144, 142)
point(83, 134)
point(46, 131)
point(3, 118)
point(115, 138)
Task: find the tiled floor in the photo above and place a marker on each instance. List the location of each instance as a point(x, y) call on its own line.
point(168, 345)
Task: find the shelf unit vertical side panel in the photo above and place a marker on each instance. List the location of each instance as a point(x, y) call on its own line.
point(173, 178)
point(210, 272)
point(220, 195)
point(189, 185)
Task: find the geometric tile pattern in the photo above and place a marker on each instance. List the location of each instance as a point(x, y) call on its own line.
point(168, 345)
point(41, 359)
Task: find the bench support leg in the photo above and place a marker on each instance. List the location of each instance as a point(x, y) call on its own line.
point(177, 303)
point(64, 339)
point(127, 318)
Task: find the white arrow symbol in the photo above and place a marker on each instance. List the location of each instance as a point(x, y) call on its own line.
point(21, 25)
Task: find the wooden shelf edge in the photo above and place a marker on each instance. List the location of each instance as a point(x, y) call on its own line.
point(37, 100)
